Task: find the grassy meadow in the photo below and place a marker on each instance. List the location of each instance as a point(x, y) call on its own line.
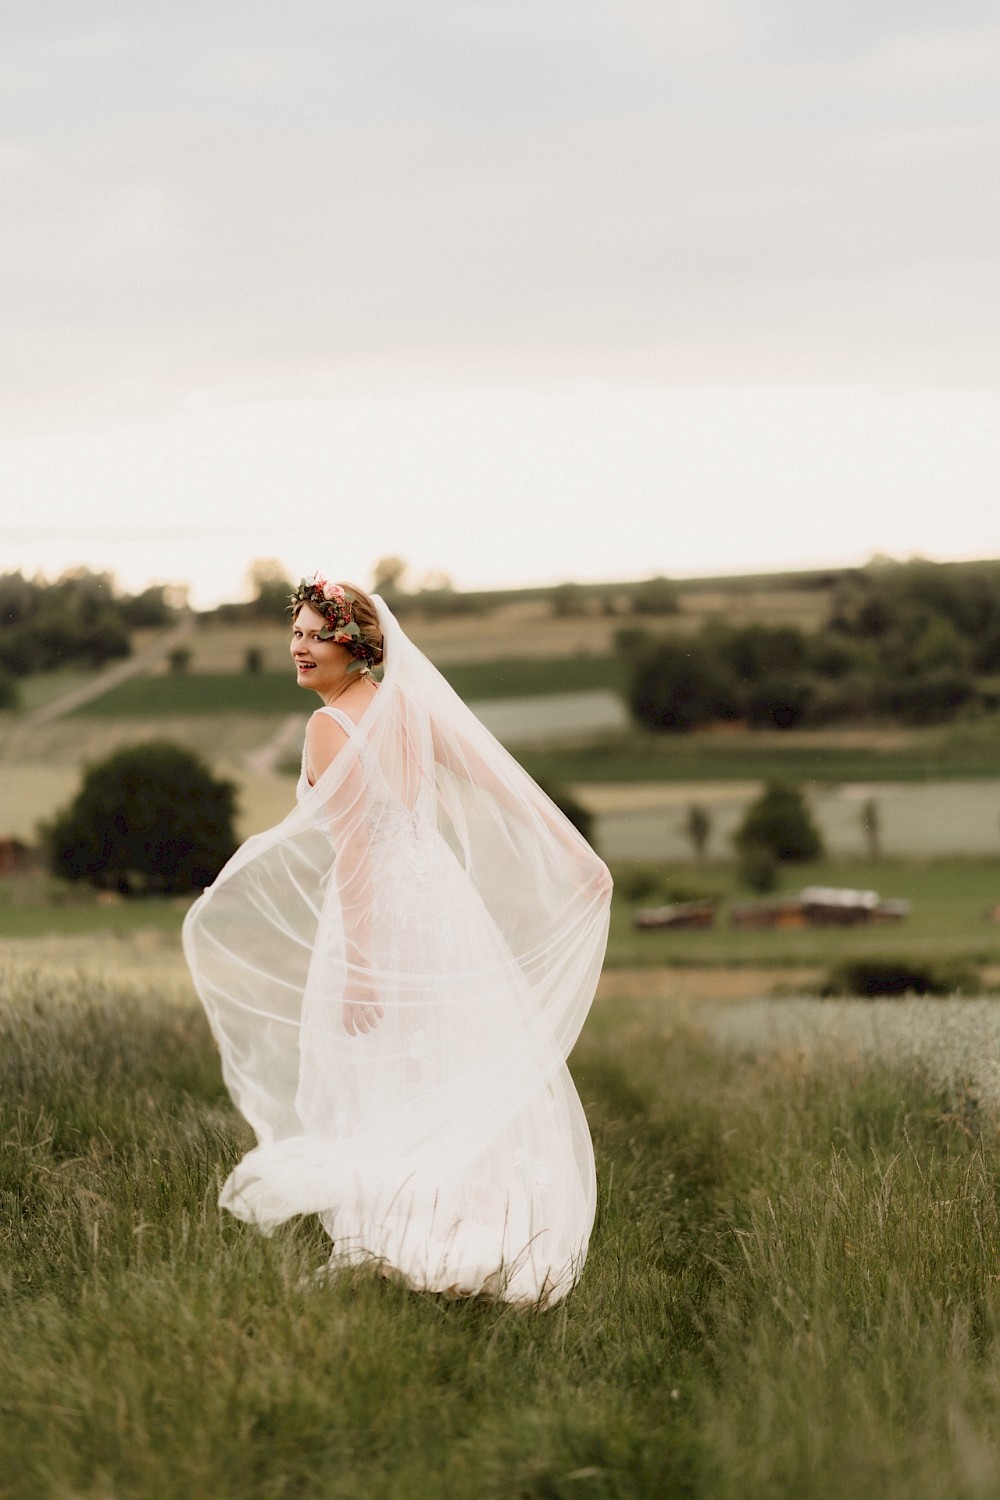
point(794, 1281)
point(793, 1286)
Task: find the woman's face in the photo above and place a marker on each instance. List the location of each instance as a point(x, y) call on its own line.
point(320, 665)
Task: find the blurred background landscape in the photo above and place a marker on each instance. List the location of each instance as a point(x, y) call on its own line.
point(657, 711)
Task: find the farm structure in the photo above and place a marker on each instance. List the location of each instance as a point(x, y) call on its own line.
point(697, 914)
point(818, 906)
point(17, 857)
point(814, 906)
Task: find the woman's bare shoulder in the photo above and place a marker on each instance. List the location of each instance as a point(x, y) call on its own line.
point(325, 739)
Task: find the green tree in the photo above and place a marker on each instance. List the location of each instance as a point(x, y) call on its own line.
point(656, 596)
point(871, 826)
point(776, 702)
point(45, 625)
point(150, 819)
point(698, 827)
point(757, 869)
point(389, 576)
point(756, 652)
point(568, 599)
point(780, 822)
point(270, 587)
point(679, 684)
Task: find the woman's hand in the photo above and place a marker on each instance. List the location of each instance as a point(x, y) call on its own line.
point(362, 1016)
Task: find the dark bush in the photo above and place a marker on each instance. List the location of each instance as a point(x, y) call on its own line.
point(631, 640)
point(568, 599)
point(657, 885)
point(9, 696)
point(148, 610)
point(833, 655)
point(656, 596)
point(680, 684)
point(780, 822)
point(777, 702)
point(931, 699)
point(754, 652)
point(148, 820)
point(894, 977)
point(757, 869)
point(639, 882)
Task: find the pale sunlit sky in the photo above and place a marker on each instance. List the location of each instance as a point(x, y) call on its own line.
point(517, 291)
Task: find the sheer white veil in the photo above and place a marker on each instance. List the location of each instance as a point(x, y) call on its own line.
point(427, 871)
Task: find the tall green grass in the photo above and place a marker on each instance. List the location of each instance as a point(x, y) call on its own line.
point(792, 1288)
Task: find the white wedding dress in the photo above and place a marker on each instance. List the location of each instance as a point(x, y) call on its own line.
point(426, 871)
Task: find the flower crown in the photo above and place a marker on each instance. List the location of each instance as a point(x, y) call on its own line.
point(335, 604)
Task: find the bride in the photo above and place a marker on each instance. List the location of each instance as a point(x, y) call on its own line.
point(395, 976)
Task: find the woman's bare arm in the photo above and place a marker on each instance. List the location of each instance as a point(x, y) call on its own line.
point(325, 740)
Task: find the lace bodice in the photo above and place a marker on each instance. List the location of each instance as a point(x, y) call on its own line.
point(389, 818)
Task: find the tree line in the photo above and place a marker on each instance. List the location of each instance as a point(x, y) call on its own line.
point(915, 642)
point(80, 619)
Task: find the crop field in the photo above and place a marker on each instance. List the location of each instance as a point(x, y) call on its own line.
point(182, 694)
point(918, 819)
point(275, 692)
point(961, 750)
point(793, 1287)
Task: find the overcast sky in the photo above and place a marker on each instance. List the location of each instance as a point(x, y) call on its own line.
point(520, 290)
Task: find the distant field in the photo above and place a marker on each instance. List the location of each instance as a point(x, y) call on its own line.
point(45, 687)
point(186, 693)
point(855, 755)
point(950, 900)
point(528, 677)
point(36, 907)
point(524, 625)
point(917, 819)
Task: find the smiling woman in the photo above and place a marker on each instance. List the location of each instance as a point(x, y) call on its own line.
point(395, 976)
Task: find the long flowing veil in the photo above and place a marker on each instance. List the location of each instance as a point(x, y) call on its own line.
point(427, 873)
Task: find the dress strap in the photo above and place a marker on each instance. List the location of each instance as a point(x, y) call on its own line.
point(345, 721)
